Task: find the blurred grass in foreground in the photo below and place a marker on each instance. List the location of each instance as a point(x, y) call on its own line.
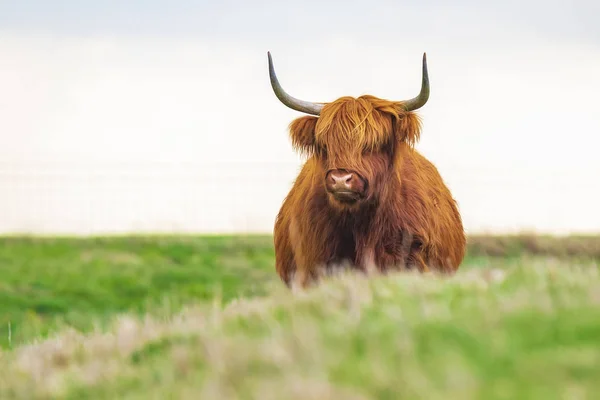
point(50, 283)
point(528, 330)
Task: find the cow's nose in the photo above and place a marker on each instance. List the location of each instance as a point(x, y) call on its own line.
point(340, 180)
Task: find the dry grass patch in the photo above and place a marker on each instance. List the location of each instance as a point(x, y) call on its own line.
point(573, 246)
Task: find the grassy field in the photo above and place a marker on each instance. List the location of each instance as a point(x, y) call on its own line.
point(48, 283)
point(206, 317)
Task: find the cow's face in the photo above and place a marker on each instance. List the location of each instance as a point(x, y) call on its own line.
point(353, 142)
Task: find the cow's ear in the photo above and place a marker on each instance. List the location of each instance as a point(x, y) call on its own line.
point(407, 128)
point(302, 133)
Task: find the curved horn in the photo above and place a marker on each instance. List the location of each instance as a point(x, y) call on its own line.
point(291, 102)
point(421, 99)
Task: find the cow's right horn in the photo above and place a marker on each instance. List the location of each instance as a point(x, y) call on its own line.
point(293, 103)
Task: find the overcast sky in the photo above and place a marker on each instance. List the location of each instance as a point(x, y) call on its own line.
point(164, 91)
point(307, 20)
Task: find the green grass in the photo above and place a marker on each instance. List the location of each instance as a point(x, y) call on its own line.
point(48, 283)
point(206, 317)
point(528, 331)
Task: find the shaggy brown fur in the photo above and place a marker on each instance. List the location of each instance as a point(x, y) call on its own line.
point(407, 219)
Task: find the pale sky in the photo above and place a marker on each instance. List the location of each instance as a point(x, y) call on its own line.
point(157, 116)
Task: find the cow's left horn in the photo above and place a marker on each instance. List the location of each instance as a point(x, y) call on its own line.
point(421, 99)
point(291, 102)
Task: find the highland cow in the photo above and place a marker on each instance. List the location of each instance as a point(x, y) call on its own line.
point(364, 196)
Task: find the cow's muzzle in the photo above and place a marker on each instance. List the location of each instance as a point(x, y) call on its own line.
point(344, 185)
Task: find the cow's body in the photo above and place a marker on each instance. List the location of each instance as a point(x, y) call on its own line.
point(417, 226)
point(365, 196)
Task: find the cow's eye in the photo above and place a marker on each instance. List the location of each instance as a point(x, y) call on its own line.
point(323, 151)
